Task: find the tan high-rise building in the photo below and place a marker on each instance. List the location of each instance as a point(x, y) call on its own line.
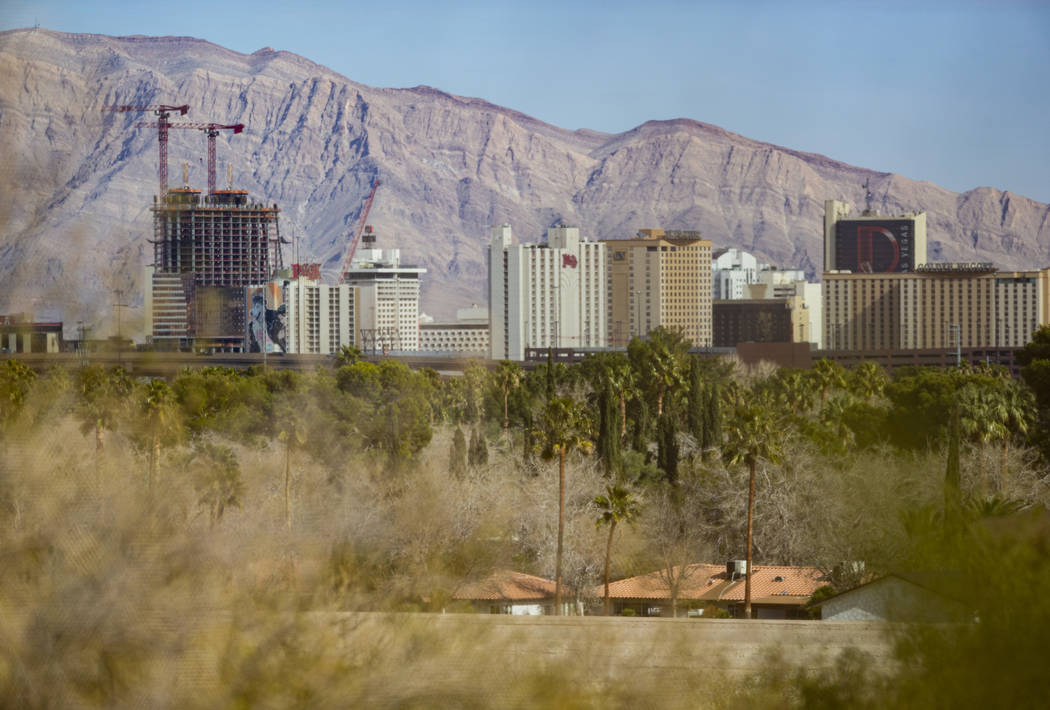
point(659, 278)
point(938, 306)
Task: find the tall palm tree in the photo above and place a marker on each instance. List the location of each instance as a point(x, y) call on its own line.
point(101, 394)
point(158, 405)
point(564, 427)
point(618, 505)
point(753, 435)
point(508, 377)
point(828, 376)
point(660, 360)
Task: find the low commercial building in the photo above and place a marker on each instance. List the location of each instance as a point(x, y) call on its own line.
point(467, 335)
point(19, 333)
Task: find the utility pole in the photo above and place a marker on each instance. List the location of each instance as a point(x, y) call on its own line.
point(120, 336)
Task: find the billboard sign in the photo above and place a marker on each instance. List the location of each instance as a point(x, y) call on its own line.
point(875, 246)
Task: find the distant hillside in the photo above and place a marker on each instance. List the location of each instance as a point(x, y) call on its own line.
point(77, 183)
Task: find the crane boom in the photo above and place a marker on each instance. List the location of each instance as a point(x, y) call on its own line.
point(358, 230)
point(162, 111)
point(211, 130)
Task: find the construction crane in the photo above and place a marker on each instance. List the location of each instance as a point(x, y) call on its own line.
point(163, 112)
point(211, 130)
point(357, 231)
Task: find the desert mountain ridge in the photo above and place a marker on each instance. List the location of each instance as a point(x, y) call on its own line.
point(78, 183)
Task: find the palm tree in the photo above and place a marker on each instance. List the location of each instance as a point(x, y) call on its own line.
point(828, 375)
point(753, 435)
point(157, 403)
point(101, 395)
point(564, 427)
point(508, 377)
point(660, 359)
point(218, 478)
point(993, 412)
point(868, 380)
point(618, 505)
point(348, 355)
point(292, 432)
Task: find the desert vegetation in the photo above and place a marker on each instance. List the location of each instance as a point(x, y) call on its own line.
point(206, 541)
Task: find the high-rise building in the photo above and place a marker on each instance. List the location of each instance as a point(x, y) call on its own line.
point(546, 295)
point(206, 249)
point(938, 306)
point(872, 243)
point(388, 300)
point(659, 278)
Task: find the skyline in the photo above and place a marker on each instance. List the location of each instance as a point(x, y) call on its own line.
point(946, 92)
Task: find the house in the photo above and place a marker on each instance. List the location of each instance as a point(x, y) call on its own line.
point(895, 597)
point(509, 592)
point(777, 591)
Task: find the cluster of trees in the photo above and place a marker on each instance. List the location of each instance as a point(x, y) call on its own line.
point(371, 486)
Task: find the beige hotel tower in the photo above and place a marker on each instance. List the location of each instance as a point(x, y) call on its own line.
point(659, 278)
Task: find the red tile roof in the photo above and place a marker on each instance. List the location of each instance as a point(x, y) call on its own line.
point(770, 584)
point(507, 585)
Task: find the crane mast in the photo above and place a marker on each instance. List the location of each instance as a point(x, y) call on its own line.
point(358, 230)
point(162, 112)
point(211, 130)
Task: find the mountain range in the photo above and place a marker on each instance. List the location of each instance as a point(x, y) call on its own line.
point(76, 183)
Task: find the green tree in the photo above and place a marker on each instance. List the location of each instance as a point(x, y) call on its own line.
point(564, 427)
point(101, 394)
point(457, 457)
point(161, 421)
point(617, 506)
point(348, 355)
point(868, 380)
point(478, 454)
point(659, 363)
point(15, 380)
point(753, 435)
point(828, 376)
point(667, 447)
point(217, 478)
point(508, 377)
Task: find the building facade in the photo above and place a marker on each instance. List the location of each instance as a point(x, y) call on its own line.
point(659, 278)
point(206, 250)
point(872, 243)
point(388, 300)
point(545, 295)
point(939, 306)
point(766, 320)
point(467, 335)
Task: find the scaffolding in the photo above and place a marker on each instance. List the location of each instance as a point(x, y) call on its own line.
point(223, 239)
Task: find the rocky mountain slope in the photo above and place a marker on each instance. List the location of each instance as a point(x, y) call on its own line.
point(76, 183)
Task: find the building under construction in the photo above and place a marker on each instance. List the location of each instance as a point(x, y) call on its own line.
point(207, 249)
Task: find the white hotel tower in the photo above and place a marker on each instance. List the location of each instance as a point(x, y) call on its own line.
point(547, 294)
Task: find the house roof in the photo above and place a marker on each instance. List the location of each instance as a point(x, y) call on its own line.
point(770, 584)
point(507, 585)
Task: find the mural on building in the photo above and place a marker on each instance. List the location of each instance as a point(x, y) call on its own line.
point(267, 319)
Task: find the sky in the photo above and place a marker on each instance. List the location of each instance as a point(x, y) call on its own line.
point(957, 93)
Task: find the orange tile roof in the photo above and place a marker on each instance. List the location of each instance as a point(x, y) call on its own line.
point(770, 584)
point(507, 585)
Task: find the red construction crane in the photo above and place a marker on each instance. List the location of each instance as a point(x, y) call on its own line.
point(211, 130)
point(358, 230)
point(162, 112)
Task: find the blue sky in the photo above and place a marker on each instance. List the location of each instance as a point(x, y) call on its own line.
point(957, 93)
